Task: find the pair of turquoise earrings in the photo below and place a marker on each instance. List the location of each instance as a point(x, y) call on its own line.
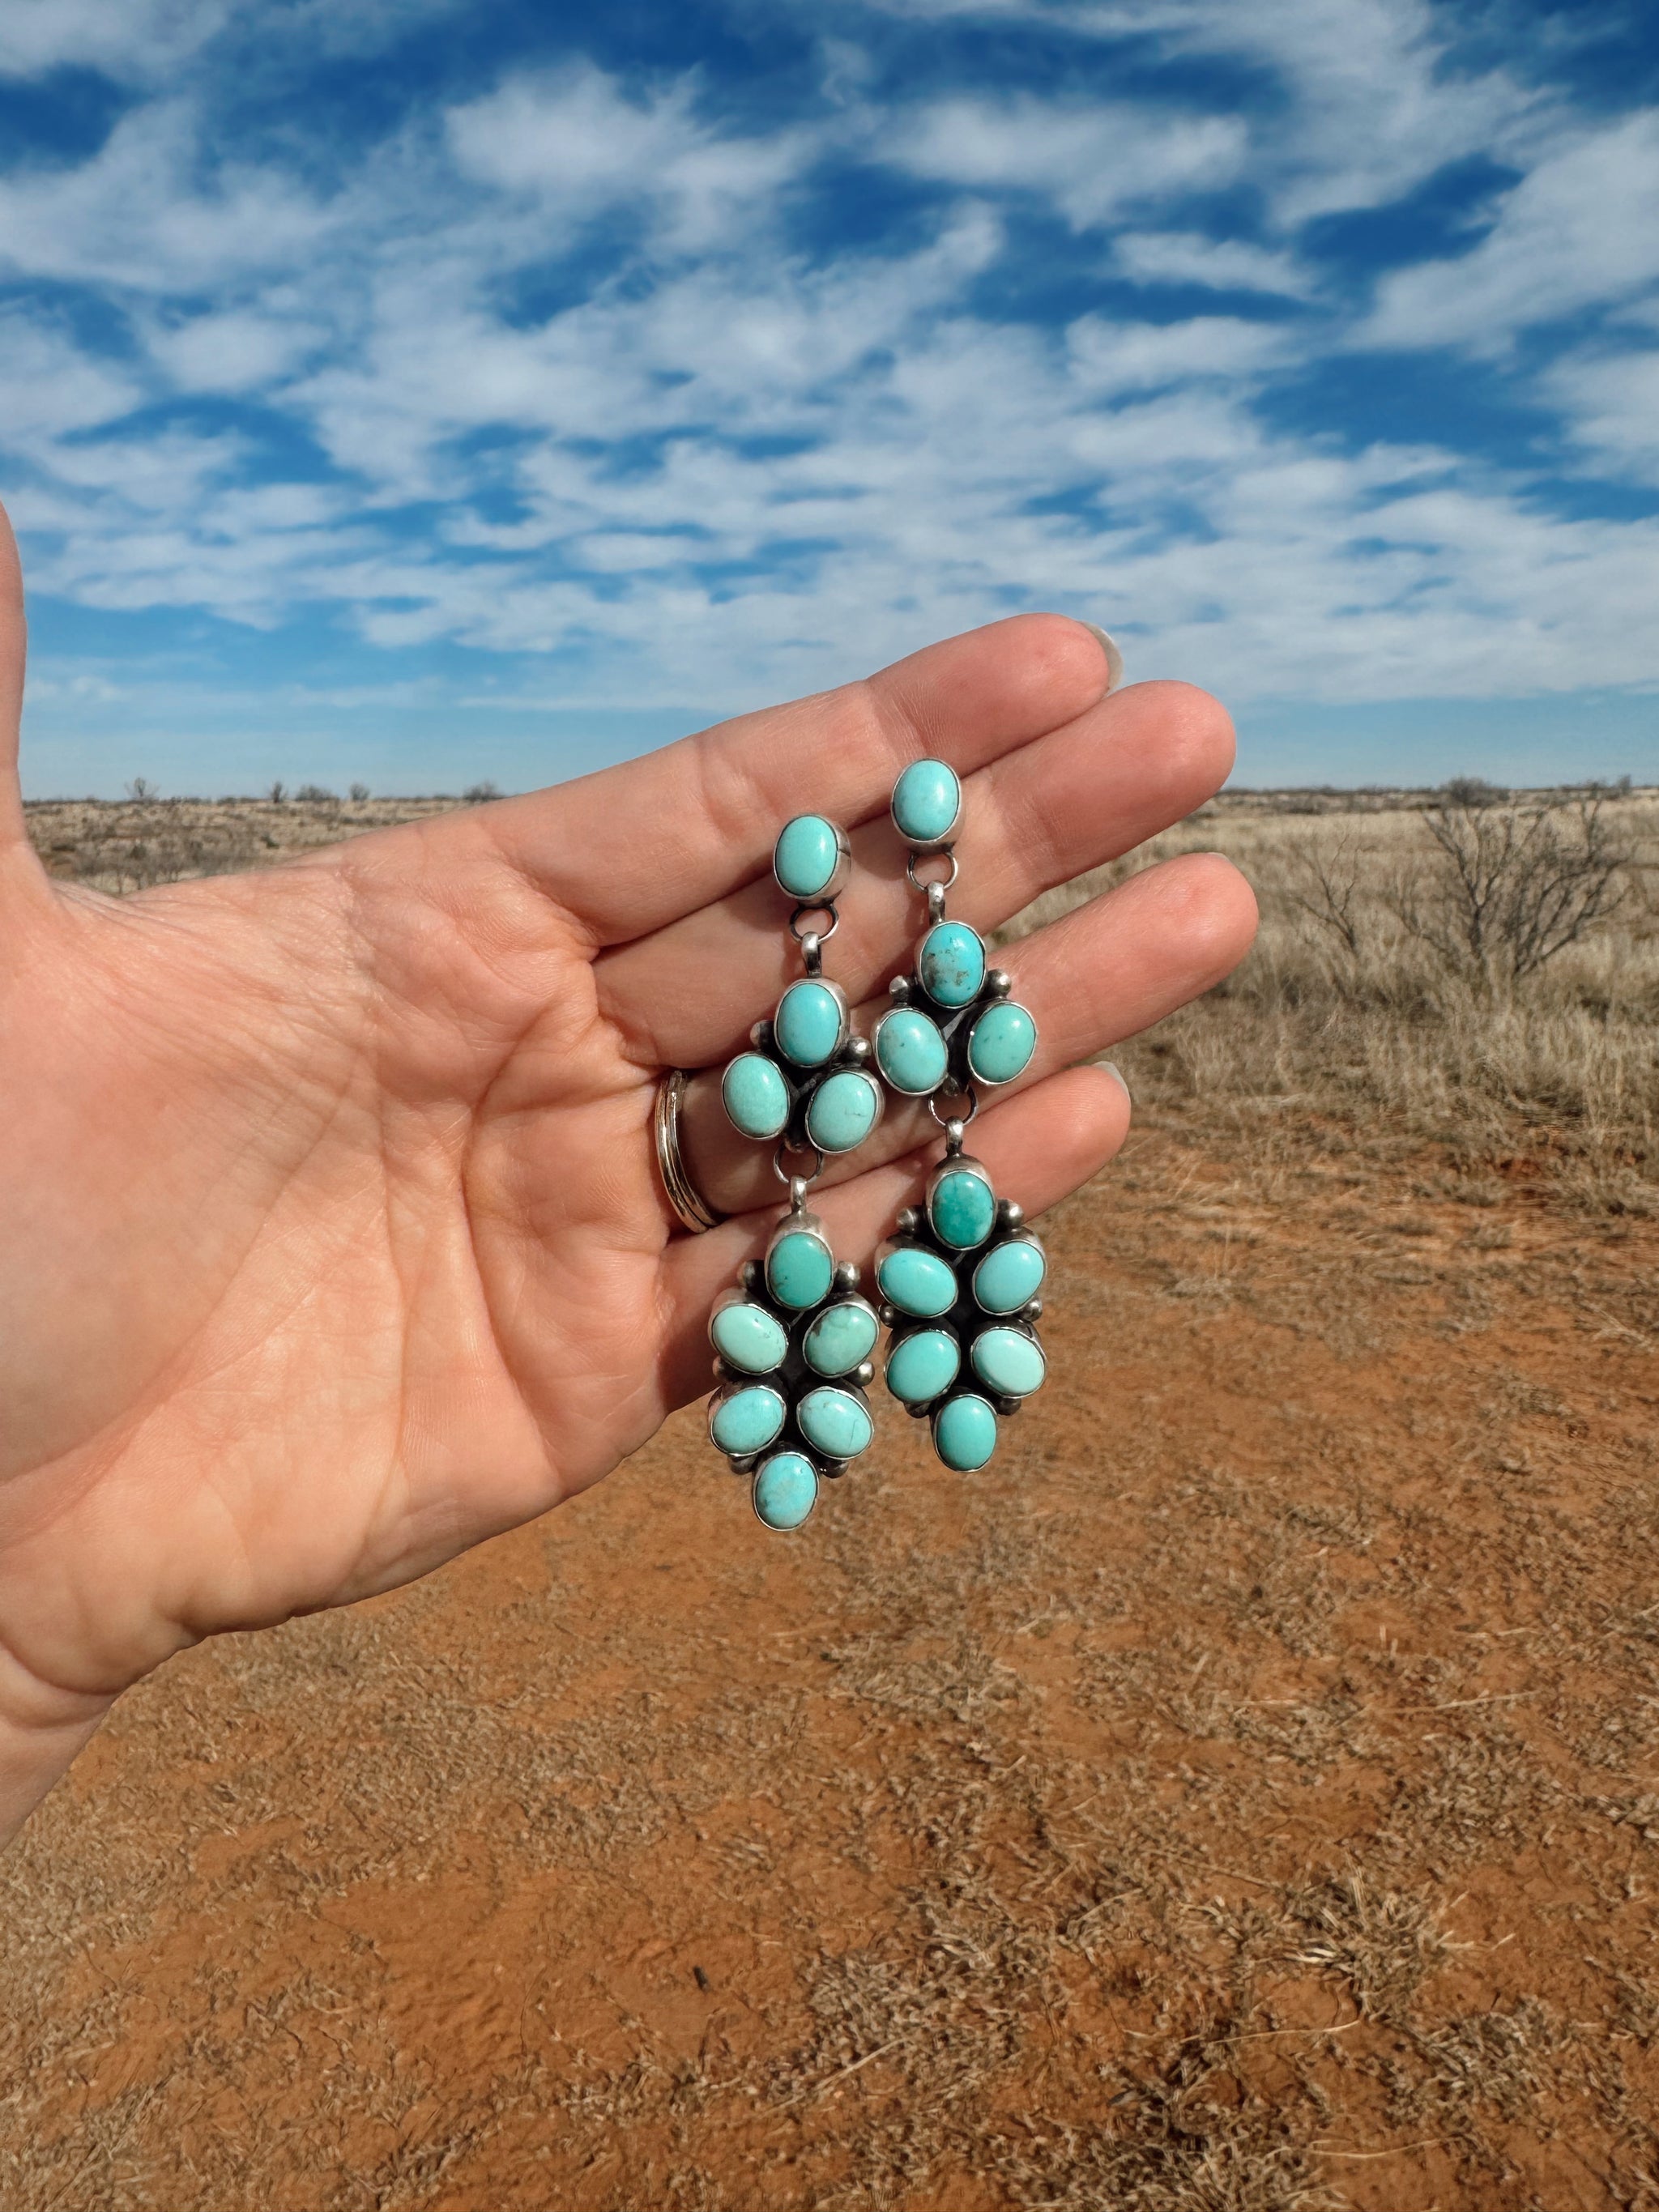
point(958, 1281)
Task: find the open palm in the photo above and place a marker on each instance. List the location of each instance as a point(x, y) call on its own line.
point(330, 1239)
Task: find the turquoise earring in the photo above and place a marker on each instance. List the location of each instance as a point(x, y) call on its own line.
point(794, 1340)
point(961, 1278)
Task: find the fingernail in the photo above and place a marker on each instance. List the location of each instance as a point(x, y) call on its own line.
point(1114, 657)
point(1112, 1068)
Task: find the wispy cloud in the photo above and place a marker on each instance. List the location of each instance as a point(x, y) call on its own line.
point(578, 145)
point(1581, 230)
point(636, 384)
point(141, 39)
point(1354, 103)
point(1611, 402)
point(1215, 265)
point(141, 216)
point(1089, 161)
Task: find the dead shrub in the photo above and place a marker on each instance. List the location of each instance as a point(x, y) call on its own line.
point(1510, 883)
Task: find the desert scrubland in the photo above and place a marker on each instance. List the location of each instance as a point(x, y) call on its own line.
point(1241, 1797)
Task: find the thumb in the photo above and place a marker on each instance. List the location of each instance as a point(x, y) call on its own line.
point(13, 642)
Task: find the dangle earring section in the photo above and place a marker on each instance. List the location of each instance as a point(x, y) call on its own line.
point(952, 1021)
point(793, 1339)
point(960, 1278)
point(805, 1081)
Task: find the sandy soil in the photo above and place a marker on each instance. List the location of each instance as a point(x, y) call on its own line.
point(1242, 1797)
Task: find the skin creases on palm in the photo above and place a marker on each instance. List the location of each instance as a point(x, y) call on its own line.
point(332, 1241)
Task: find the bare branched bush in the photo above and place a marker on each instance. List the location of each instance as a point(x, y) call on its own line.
point(1348, 1014)
point(479, 794)
point(1512, 882)
point(1325, 884)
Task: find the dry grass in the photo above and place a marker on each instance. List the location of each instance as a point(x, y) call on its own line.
point(1243, 1799)
point(125, 845)
point(1381, 1046)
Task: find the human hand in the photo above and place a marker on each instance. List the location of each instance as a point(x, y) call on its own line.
point(332, 1241)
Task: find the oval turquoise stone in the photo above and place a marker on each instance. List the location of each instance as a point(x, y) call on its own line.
point(917, 1281)
point(807, 856)
point(845, 1108)
point(1009, 1276)
point(1009, 1361)
point(927, 800)
point(962, 1209)
point(839, 1338)
point(910, 1052)
point(808, 1024)
point(747, 1420)
point(965, 1432)
point(922, 1367)
point(786, 1490)
point(799, 1269)
point(750, 1338)
point(756, 1096)
point(952, 963)
point(1001, 1042)
point(835, 1422)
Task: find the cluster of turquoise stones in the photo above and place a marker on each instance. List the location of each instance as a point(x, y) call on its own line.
point(804, 1079)
point(952, 1020)
point(960, 1288)
point(794, 1344)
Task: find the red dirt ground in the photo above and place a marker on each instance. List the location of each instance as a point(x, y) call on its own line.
point(1242, 1797)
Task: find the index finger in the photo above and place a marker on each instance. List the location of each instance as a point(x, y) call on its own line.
point(630, 848)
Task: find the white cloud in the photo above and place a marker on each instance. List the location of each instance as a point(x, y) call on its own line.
point(134, 217)
point(344, 26)
point(139, 38)
point(1373, 107)
point(1090, 159)
point(1114, 356)
point(1611, 402)
point(722, 345)
point(1582, 229)
point(237, 350)
point(1220, 264)
point(147, 41)
point(79, 689)
point(579, 145)
point(50, 387)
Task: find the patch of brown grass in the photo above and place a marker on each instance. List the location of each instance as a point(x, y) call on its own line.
point(1380, 1049)
point(128, 845)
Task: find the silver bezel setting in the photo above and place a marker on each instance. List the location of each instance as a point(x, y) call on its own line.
point(778, 1451)
point(904, 1006)
point(839, 874)
point(948, 836)
point(857, 1069)
point(771, 1046)
point(957, 1163)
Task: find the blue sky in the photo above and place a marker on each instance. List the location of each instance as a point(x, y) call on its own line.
point(420, 392)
